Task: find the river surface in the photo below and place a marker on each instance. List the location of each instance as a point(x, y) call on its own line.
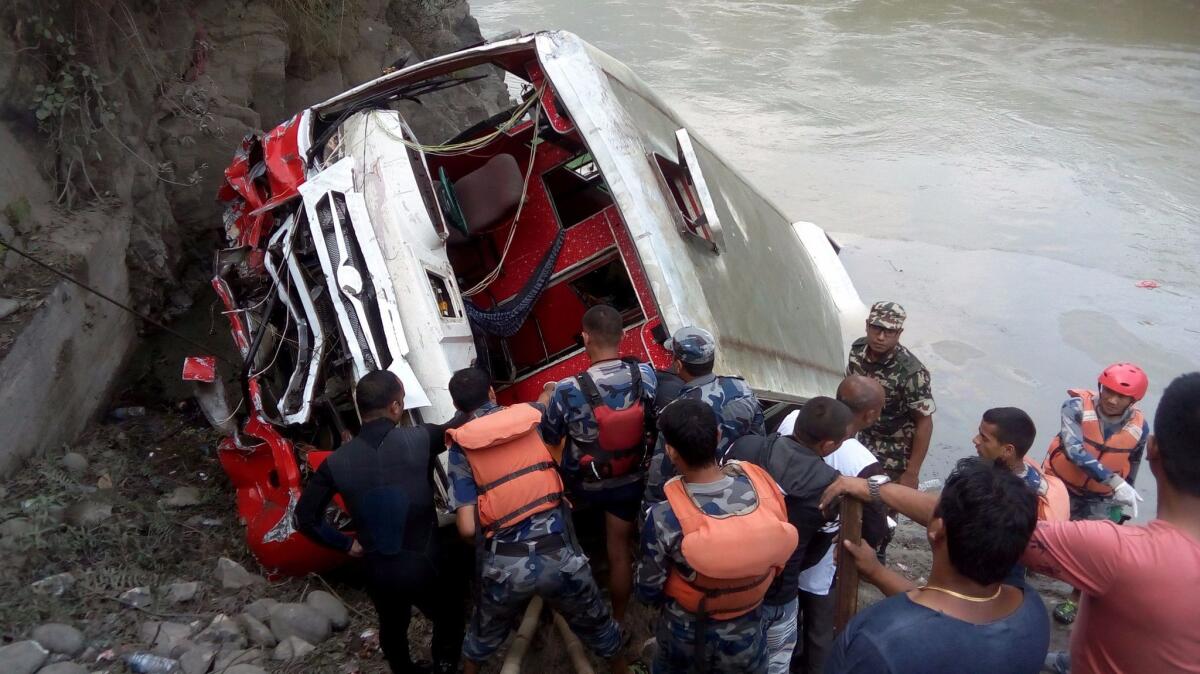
point(1007, 170)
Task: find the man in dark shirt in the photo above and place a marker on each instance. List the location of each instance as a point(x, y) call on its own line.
point(796, 464)
point(965, 618)
point(384, 475)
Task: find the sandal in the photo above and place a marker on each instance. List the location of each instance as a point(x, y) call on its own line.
point(1065, 612)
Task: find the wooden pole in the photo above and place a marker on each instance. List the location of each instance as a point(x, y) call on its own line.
point(846, 588)
point(574, 647)
point(520, 643)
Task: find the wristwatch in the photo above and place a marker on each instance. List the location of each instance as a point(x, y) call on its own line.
point(875, 483)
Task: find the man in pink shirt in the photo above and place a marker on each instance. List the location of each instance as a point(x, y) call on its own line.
point(1141, 584)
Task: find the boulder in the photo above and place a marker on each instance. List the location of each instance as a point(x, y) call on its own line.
point(183, 497)
point(59, 638)
point(54, 586)
point(292, 648)
point(259, 633)
point(178, 593)
point(63, 668)
point(234, 576)
point(23, 657)
point(228, 658)
point(299, 620)
point(8, 306)
point(260, 609)
point(330, 606)
point(74, 463)
point(88, 513)
point(164, 638)
point(198, 659)
point(222, 631)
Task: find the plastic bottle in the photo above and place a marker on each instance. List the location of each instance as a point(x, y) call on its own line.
point(147, 663)
point(123, 413)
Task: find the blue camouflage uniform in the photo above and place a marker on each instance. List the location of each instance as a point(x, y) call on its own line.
point(736, 645)
point(562, 577)
point(569, 416)
point(1094, 506)
point(738, 413)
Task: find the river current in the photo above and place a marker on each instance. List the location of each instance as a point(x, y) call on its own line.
point(1007, 170)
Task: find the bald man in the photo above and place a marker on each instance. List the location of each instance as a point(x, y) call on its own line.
point(865, 398)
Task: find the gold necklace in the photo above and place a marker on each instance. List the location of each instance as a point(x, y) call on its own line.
point(959, 595)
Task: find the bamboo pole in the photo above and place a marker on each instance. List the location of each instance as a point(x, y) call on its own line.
point(520, 643)
point(846, 589)
point(574, 647)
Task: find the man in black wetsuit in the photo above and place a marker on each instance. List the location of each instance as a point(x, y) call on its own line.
point(385, 478)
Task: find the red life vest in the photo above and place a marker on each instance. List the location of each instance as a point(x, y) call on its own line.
point(733, 557)
point(620, 445)
point(1113, 452)
point(515, 475)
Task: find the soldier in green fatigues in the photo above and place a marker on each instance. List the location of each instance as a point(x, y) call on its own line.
point(901, 437)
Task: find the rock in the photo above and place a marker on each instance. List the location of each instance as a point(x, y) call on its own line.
point(54, 586)
point(59, 638)
point(23, 657)
point(300, 620)
point(88, 513)
point(164, 638)
point(136, 597)
point(330, 606)
point(17, 527)
point(244, 669)
point(63, 668)
point(75, 463)
point(292, 648)
point(259, 633)
point(183, 497)
point(236, 657)
point(178, 593)
point(234, 576)
point(260, 609)
point(8, 307)
point(222, 631)
point(197, 659)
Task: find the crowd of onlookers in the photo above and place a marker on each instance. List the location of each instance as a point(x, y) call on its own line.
point(732, 530)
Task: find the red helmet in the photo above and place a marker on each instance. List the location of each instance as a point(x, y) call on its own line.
point(1125, 378)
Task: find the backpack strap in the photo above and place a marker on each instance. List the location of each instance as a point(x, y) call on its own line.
point(635, 380)
point(588, 386)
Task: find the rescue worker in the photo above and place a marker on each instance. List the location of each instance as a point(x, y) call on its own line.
point(1005, 436)
point(1098, 451)
point(737, 408)
point(384, 477)
point(508, 498)
point(710, 551)
point(900, 439)
point(795, 463)
point(606, 414)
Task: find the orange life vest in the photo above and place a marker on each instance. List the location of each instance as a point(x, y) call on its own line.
point(733, 557)
point(1113, 452)
point(515, 475)
point(1054, 505)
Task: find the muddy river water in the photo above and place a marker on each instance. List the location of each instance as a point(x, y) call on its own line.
point(1007, 170)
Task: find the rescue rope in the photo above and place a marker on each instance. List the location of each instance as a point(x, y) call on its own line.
point(5, 245)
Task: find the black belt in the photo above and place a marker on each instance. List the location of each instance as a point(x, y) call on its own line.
point(542, 545)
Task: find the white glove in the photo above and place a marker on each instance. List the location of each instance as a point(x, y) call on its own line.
point(1124, 494)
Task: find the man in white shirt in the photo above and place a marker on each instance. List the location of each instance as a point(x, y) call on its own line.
point(864, 396)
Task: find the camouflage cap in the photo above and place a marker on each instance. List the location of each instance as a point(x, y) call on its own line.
point(691, 345)
point(887, 315)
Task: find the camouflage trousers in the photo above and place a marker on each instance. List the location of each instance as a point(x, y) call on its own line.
point(738, 645)
point(562, 578)
point(892, 451)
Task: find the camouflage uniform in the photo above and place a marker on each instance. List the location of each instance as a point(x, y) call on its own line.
point(906, 388)
point(1086, 505)
point(507, 582)
point(737, 645)
point(569, 414)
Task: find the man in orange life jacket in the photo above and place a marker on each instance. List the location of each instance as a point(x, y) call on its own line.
point(508, 497)
point(711, 550)
point(1005, 436)
point(384, 476)
point(1098, 451)
point(605, 414)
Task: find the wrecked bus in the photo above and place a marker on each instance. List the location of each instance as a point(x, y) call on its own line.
point(354, 244)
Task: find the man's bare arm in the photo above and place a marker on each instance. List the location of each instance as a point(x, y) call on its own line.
point(915, 505)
